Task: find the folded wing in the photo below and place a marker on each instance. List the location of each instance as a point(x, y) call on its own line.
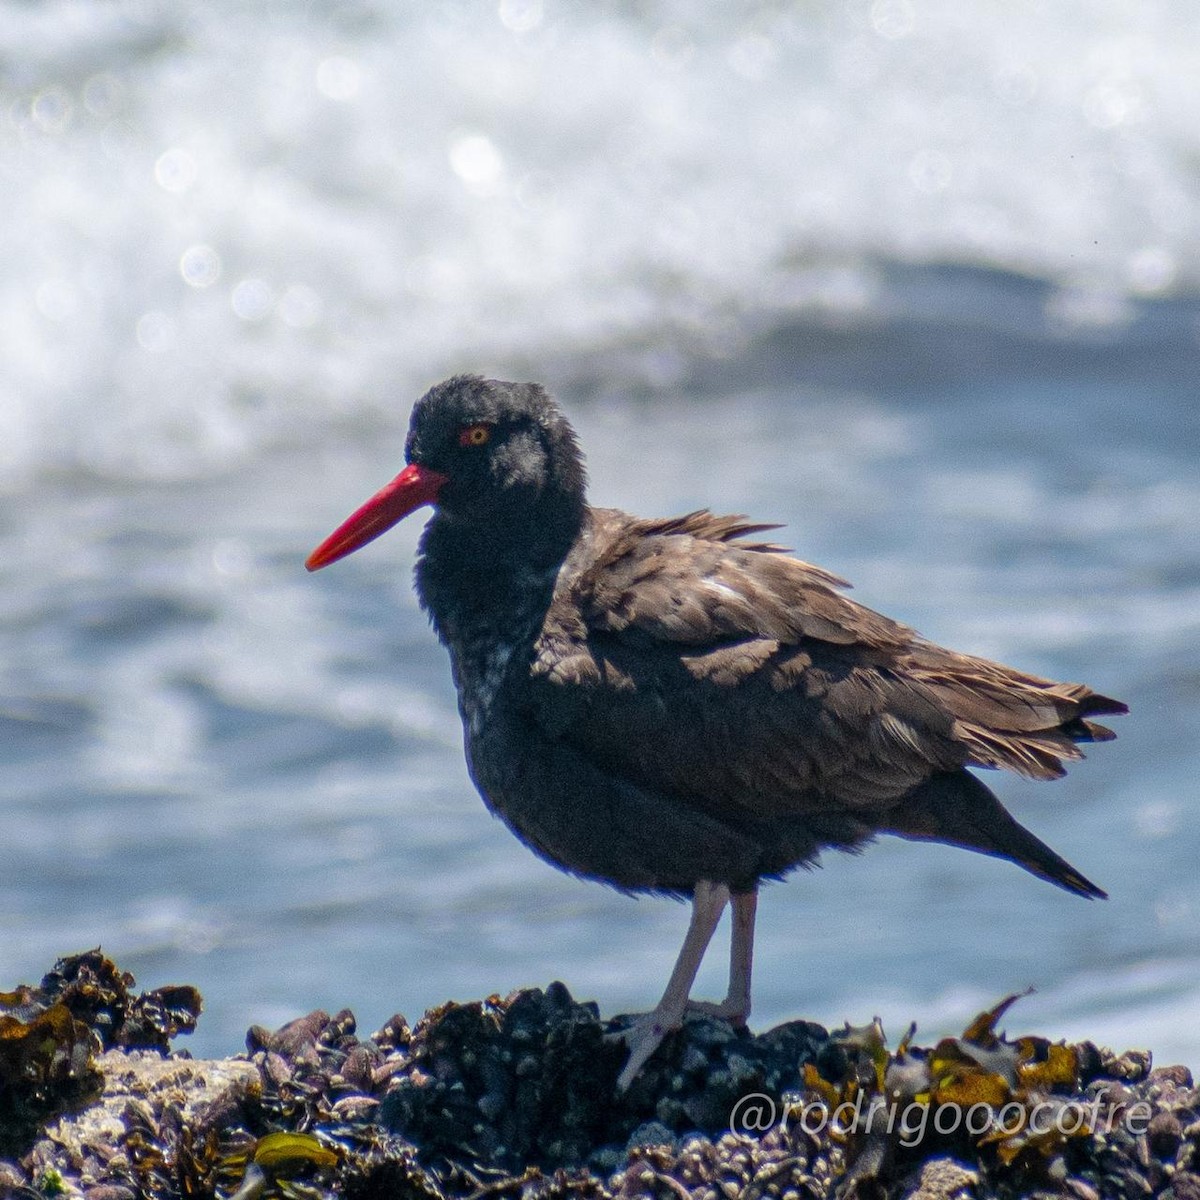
point(732, 677)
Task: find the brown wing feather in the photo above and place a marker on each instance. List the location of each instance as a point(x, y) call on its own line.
point(1008, 718)
point(711, 527)
point(731, 676)
point(682, 581)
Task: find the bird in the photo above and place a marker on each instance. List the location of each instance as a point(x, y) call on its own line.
point(675, 706)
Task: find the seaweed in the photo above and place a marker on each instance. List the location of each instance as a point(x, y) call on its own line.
point(515, 1098)
point(50, 1036)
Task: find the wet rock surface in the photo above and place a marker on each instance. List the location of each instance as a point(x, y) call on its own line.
point(516, 1097)
point(50, 1034)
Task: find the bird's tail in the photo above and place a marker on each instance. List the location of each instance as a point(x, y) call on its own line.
point(955, 807)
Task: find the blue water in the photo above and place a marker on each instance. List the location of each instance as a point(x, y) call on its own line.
point(918, 280)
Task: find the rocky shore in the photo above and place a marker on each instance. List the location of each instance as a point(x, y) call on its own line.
point(516, 1097)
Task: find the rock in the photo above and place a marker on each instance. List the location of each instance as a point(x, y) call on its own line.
point(1132, 1066)
point(12, 1180)
point(943, 1179)
point(516, 1096)
point(49, 1035)
point(109, 1191)
point(1164, 1134)
point(1185, 1186)
point(143, 1078)
point(1178, 1075)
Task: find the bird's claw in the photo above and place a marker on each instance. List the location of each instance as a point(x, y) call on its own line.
point(643, 1037)
point(649, 1031)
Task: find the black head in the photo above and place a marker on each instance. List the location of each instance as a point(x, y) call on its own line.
point(500, 464)
point(505, 449)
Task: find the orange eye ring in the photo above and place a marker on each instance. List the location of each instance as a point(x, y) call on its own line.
point(475, 435)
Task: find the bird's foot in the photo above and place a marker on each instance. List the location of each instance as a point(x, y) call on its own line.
point(643, 1037)
point(734, 1010)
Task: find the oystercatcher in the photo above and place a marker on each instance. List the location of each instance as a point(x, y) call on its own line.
point(670, 706)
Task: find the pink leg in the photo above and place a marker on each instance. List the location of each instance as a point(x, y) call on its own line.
point(646, 1035)
point(736, 1005)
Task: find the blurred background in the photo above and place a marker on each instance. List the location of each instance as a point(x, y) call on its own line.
point(920, 278)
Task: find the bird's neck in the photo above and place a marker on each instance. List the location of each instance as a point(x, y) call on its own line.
point(489, 581)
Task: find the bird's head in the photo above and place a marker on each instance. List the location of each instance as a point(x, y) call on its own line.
point(497, 458)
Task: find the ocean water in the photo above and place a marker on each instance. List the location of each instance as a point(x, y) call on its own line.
point(919, 279)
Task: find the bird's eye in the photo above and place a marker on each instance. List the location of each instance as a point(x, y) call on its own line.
point(475, 435)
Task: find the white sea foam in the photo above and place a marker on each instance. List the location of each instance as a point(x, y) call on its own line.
point(221, 222)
